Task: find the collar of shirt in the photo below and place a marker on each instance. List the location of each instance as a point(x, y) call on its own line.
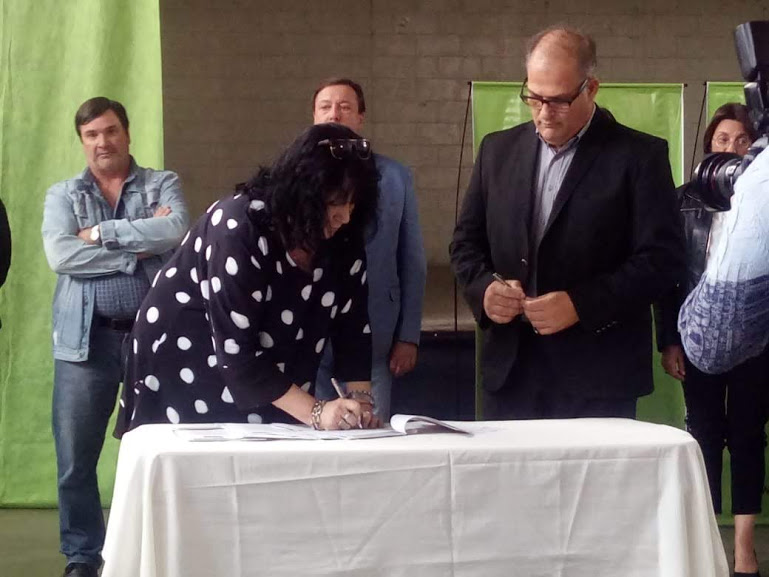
point(574, 139)
point(87, 176)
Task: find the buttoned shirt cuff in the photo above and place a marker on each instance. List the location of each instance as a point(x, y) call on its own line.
point(109, 235)
point(129, 262)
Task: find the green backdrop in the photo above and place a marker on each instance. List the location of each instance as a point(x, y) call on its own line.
point(55, 54)
point(719, 93)
point(653, 108)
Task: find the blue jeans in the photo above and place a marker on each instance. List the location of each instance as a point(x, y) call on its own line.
point(84, 396)
point(381, 382)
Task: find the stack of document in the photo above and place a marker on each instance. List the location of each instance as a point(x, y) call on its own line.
point(399, 425)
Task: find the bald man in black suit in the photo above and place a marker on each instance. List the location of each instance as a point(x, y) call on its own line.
point(577, 213)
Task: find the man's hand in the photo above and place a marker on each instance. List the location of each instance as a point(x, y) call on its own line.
point(403, 357)
point(551, 312)
point(360, 391)
point(503, 302)
point(85, 234)
point(673, 361)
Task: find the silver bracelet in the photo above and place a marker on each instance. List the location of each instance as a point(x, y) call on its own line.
point(361, 396)
point(317, 409)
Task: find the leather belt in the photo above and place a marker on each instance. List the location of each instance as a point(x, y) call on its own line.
point(123, 325)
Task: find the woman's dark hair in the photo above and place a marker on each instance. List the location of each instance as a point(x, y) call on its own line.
point(728, 111)
point(306, 178)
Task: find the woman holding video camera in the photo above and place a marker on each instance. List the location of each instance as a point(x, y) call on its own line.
point(729, 409)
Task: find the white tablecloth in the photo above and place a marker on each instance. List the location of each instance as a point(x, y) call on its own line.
point(585, 497)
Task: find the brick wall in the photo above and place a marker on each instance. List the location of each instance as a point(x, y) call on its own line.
point(238, 75)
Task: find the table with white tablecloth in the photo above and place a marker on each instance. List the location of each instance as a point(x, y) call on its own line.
point(567, 498)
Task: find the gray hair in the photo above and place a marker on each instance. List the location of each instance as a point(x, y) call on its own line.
point(574, 41)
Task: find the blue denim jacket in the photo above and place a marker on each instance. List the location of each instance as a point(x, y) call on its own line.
point(77, 203)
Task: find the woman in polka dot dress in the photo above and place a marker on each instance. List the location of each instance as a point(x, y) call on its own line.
point(234, 325)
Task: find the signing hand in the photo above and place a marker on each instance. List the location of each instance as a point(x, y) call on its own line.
point(551, 312)
point(341, 414)
point(503, 302)
point(403, 357)
point(673, 361)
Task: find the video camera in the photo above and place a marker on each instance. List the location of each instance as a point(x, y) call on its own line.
point(713, 183)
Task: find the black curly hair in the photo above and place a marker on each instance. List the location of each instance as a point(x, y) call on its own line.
point(305, 179)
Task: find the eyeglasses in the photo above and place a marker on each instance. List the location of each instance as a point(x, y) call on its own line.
point(741, 142)
point(341, 148)
point(556, 104)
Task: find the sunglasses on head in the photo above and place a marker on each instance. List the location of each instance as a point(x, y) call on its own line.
point(341, 148)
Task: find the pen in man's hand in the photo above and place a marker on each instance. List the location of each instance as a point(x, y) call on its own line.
point(498, 278)
point(339, 392)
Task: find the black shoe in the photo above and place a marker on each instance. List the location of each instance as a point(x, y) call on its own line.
point(80, 570)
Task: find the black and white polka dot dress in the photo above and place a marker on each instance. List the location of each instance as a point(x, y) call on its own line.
point(231, 322)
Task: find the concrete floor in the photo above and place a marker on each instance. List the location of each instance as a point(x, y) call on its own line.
point(29, 544)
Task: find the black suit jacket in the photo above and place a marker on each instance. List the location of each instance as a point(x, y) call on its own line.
point(612, 243)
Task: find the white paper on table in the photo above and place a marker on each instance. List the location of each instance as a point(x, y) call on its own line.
point(419, 424)
point(399, 425)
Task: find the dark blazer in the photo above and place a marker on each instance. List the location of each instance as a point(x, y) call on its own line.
point(613, 243)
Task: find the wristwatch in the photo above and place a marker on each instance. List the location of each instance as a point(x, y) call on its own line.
point(95, 234)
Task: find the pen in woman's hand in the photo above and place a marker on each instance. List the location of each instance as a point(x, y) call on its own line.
point(337, 388)
point(339, 392)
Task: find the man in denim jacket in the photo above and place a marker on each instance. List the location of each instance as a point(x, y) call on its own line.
point(106, 233)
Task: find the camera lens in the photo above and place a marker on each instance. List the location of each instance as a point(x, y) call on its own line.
point(714, 180)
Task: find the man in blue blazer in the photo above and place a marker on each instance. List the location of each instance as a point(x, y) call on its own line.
point(395, 253)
